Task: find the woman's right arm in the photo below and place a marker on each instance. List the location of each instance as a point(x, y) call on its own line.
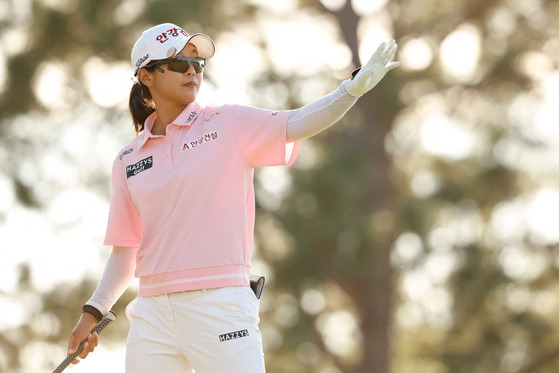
point(118, 271)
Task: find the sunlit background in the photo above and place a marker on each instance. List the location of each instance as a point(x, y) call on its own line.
point(471, 136)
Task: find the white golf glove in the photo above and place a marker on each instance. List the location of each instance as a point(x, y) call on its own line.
point(370, 74)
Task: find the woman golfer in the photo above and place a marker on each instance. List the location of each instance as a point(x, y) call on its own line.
point(182, 208)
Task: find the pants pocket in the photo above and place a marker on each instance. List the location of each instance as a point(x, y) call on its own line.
point(239, 331)
point(129, 311)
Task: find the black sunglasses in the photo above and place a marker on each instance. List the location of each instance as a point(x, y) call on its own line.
point(179, 64)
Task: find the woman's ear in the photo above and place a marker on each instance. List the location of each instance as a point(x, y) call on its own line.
point(145, 77)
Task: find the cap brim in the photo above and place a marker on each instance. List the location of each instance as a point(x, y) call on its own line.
point(204, 44)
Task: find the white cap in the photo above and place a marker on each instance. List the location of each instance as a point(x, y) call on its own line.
point(166, 40)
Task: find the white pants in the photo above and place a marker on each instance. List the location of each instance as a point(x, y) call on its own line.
point(208, 331)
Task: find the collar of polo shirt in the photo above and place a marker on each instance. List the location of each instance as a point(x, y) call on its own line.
point(186, 118)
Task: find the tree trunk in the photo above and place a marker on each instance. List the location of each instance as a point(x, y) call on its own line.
point(373, 290)
point(376, 290)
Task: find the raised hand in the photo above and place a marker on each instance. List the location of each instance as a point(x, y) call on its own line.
point(375, 69)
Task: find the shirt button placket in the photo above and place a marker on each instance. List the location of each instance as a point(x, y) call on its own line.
point(168, 152)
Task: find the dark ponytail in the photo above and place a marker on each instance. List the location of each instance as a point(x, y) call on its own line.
point(141, 105)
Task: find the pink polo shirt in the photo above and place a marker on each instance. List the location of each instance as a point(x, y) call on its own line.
point(186, 200)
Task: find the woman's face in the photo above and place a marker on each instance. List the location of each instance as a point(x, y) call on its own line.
point(173, 87)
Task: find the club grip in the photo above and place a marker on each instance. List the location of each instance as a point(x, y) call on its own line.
point(109, 317)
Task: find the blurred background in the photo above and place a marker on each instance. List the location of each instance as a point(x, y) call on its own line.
point(419, 235)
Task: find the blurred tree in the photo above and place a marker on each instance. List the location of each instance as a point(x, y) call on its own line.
point(351, 217)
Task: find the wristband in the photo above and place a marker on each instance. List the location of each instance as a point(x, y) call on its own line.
point(93, 312)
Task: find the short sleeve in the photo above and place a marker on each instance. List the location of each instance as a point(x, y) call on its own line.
point(261, 136)
point(124, 227)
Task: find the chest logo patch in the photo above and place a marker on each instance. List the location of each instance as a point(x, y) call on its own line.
point(202, 140)
point(135, 169)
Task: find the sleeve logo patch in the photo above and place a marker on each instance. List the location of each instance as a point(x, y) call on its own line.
point(233, 335)
point(127, 151)
point(135, 169)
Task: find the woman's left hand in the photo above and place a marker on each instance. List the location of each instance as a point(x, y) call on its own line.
point(370, 74)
